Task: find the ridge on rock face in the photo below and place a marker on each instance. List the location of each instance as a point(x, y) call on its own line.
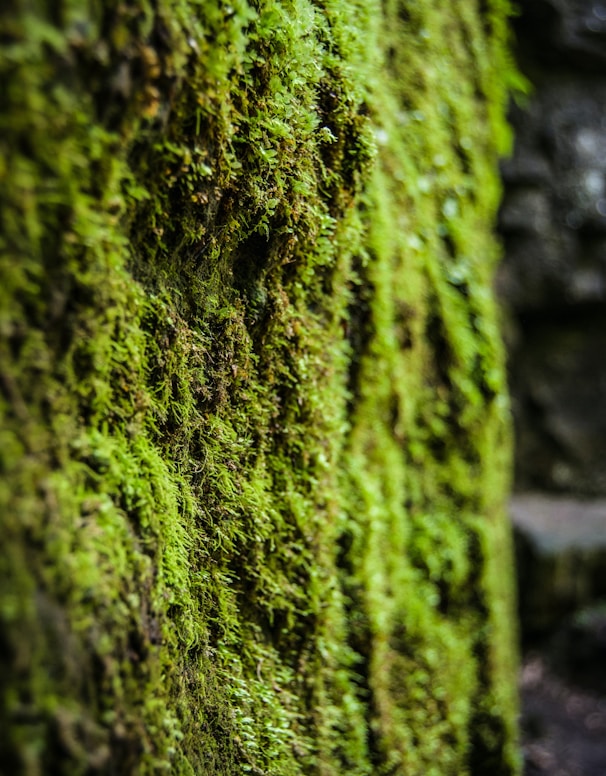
point(559, 523)
point(561, 551)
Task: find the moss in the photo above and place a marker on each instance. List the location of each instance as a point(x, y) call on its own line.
point(255, 445)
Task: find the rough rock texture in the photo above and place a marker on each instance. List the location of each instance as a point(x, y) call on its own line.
point(254, 447)
point(554, 223)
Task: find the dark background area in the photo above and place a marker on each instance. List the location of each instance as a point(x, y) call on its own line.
point(553, 286)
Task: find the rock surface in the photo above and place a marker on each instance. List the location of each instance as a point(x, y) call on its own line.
point(553, 222)
point(553, 284)
point(561, 549)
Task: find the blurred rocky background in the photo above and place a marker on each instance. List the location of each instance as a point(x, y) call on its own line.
point(553, 285)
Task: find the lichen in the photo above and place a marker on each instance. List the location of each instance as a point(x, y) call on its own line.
point(255, 445)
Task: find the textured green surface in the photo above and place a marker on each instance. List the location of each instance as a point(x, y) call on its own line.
point(254, 447)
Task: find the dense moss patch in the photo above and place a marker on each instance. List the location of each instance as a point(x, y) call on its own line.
point(255, 445)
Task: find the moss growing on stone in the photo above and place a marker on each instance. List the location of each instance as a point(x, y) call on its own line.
point(254, 447)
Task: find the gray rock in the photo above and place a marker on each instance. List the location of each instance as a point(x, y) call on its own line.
point(553, 224)
point(558, 378)
point(553, 217)
point(561, 556)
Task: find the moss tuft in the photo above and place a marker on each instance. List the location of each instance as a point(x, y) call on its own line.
point(255, 444)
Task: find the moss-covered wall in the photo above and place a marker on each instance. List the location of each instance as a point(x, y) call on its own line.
point(254, 444)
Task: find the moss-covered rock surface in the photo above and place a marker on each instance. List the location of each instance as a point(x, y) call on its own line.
point(254, 444)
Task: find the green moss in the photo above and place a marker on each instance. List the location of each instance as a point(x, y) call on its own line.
point(255, 446)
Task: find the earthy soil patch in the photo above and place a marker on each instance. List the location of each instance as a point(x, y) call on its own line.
point(563, 726)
